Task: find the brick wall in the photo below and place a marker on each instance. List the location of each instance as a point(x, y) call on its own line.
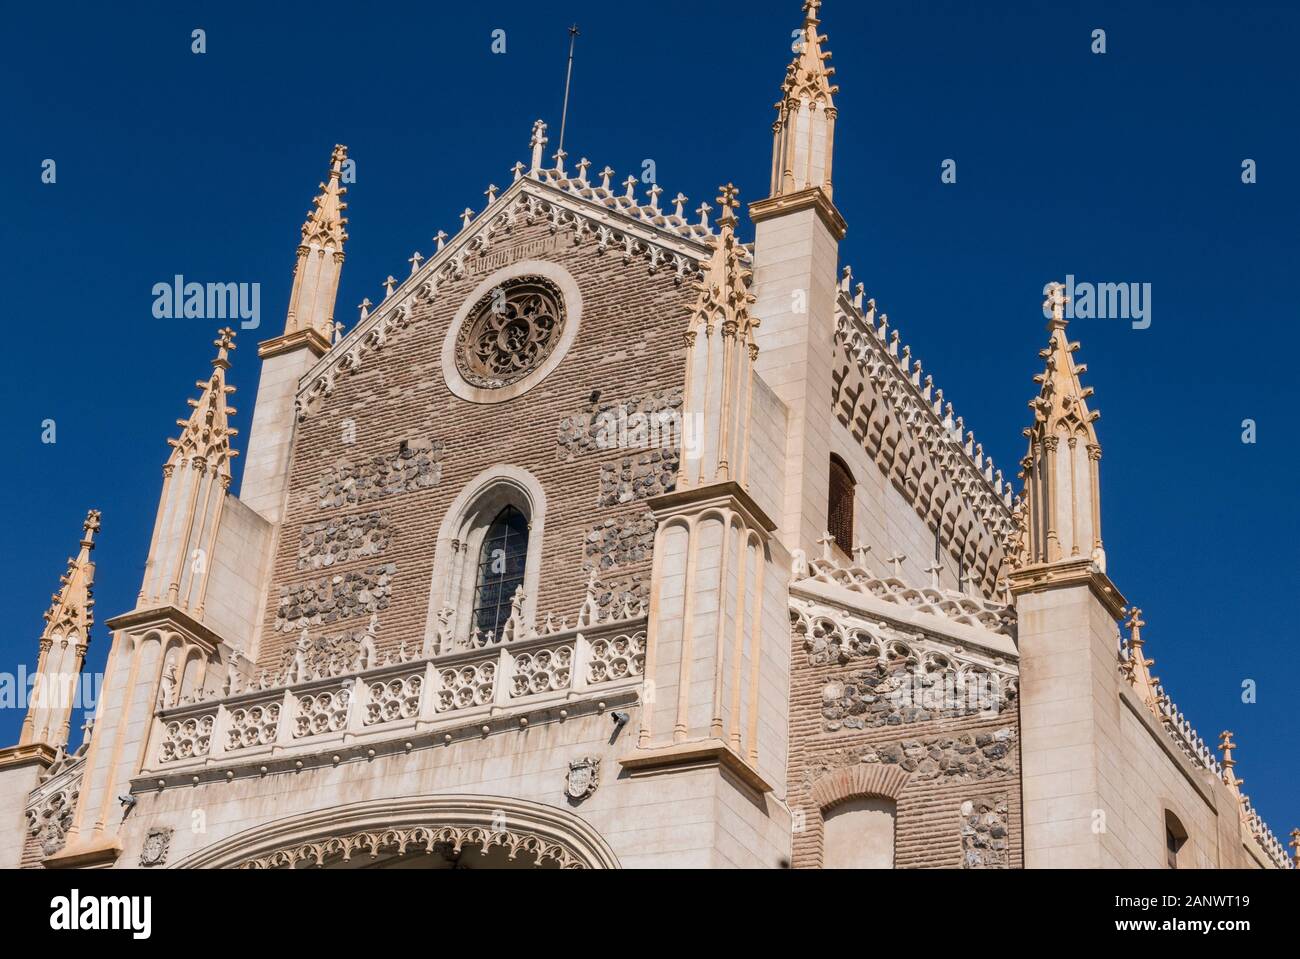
point(629, 345)
point(955, 778)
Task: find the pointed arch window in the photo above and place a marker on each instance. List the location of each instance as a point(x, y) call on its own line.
point(500, 571)
point(839, 507)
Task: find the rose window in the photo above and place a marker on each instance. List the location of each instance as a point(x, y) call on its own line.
point(510, 332)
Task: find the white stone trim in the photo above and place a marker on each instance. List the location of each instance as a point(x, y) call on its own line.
point(477, 817)
point(572, 304)
point(486, 492)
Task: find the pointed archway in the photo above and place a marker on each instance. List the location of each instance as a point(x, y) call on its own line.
point(434, 831)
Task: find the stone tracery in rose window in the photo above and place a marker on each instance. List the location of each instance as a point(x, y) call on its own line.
point(510, 332)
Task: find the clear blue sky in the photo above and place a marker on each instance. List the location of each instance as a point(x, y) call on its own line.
point(1120, 167)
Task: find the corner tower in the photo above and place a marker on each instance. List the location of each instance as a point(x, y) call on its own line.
point(1067, 610)
point(796, 252)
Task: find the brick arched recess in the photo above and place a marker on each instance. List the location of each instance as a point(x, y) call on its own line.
point(884, 781)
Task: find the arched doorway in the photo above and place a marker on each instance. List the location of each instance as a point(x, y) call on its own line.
point(421, 832)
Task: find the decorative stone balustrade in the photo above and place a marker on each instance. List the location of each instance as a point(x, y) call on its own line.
point(616, 657)
point(187, 738)
point(943, 603)
point(394, 699)
point(403, 695)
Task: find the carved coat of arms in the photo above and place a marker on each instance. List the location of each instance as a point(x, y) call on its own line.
point(583, 778)
point(156, 843)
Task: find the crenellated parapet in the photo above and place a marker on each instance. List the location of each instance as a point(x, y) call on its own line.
point(904, 423)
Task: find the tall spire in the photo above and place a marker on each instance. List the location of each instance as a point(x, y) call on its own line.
point(63, 646)
point(196, 479)
point(205, 437)
point(320, 257)
point(723, 286)
point(718, 391)
point(1062, 485)
point(804, 132)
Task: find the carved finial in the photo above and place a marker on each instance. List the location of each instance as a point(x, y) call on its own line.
point(206, 434)
point(1135, 624)
point(1295, 847)
point(415, 260)
point(513, 628)
point(1062, 485)
point(491, 193)
point(90, 527)
point(1054, 305)
point(440, 238)
point(364, 307)
point(311, 301)
point(69, 616)
point(897, 560)
point(589, 614)
point(826, 541)
point(389, 282)
point(934, 569)
point(1226, 745)
point(860, 553)
point(679, 201)
point(605, 176)
point(806, 111)
point(723, 303)
point(728, 203)
point(466, 215)
point(538, 144)
point(225, 342)
point(1137, 669)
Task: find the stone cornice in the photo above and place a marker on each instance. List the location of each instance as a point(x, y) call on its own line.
point(140, 620)
point(694, 498)
point(83, 856)
point(1075, 572)
point(702, 752)
point(812, 198)
point(289, 342)
point(27, 754)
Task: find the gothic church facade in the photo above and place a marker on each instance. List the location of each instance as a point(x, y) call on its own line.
point(608, 540)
